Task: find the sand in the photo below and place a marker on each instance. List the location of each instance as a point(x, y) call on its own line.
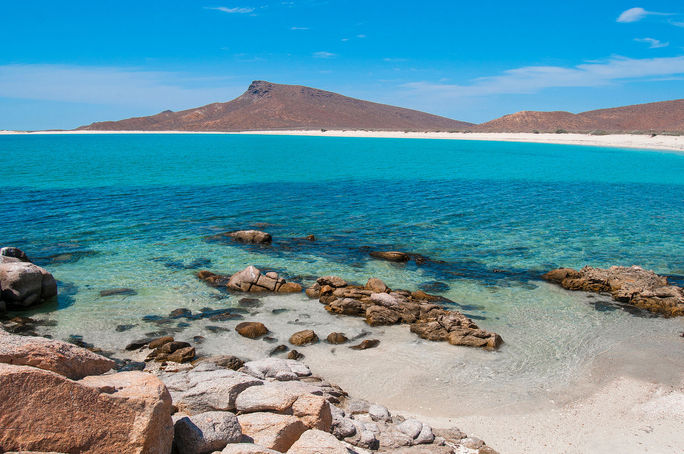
point(645, 142)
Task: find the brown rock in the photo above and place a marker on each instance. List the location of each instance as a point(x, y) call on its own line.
point(313, 411)
point(57, 356)
point(251, 236)
point(336, 338)
point(346, 306)
point(290, 287)
point(304, 337)
point(366, 344)
point(126, 412)
point(380, 315)
point(421, 295)
point(170, 347)
point(182, 355)
point(246, 448)
point(391, 256)
point(376, 285)
point(251, 330)
point(23, 284)
point(252, 280)
point(272, 431)
point(158, 342)
point(332, 281)
point(314, 291)
point(294, 354)
point(215, 280)
point(317, 442)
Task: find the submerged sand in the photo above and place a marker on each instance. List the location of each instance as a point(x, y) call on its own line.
point(638, 141)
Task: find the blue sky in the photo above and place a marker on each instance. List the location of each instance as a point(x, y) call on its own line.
point(68, 63)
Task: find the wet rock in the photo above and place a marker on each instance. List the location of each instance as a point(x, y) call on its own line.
point(118, 291)
point(314, 291)
point(310, 238)
point(251, 330)
point(279, 349)
point(290, 287)
point(305, 337)
point(180, 313)
point(295, 355)
point(182, 355)
point(332, 281)
point(366, 344)
point(122, 328)
point(632, 285)
point(158, 342)
point(23, 284)
point(278, 432)
point(249, 302)
point(206, 432)
point(375, 285)
point(212, 279)
point(421, 295)
point(250, 236)
point(391, 256)
point(434, 286)
point(53, 355)
point(316, 442)
point(125, 412)
point(198, 339)
point(336, 338)
point(14, 252)
point(132, 366)
point(140, 343)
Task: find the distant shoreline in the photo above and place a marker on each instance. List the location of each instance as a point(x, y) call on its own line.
point(638, 141)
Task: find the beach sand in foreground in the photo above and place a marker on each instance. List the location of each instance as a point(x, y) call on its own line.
point(639, 141)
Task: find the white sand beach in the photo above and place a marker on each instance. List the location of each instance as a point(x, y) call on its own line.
point(638, 141)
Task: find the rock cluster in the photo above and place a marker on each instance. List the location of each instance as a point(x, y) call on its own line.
point(250, 279)
point(633, 285)
point(382, 306)
point(23, 284)
point(244, 236)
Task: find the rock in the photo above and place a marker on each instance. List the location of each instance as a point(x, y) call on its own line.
point(278, 432)
point(472, 443)
point(170, 347)
point(250, 236)
point(452, 435)
point(305, 337)
point(272, 396)
point(270, 367)
point(375, 285)
point(314, 291)
point(425, 436)
point(332, 281)
point(486, 450)
point(384, 299)
point(14, 252)
point(158, 342)
point(126, 412)
point(118, 291)
point(391, 256)
point(379, 413)
point(247, 448)
point(200, 391)
point(313, 411)
point(633, 285)
point(180, 313)
point(336, 338)
point(410, 427)
point(212, 279)
point(279, 349)
point(182, 355)
point(23, 284)
point(61, 357)
point(346, 306)
point(380, 315)
point(251, 330)
point(290, 287)
point(295, 355)
point(421, 295)
point(140, 343)
point(356, 406)
point(206, 432)
point(317, 442)
point(368, 343)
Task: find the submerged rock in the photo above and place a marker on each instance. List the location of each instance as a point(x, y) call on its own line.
point(633, 285)
point(366, 344)
point(118, 291)
point(251, 330)
point(390, 256)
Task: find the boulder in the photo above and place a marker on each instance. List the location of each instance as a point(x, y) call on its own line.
point(126, 412)
point(390, 256)
point(272, 396)
point(24, 284)
point(247, 448)
point(380, 315)
point(332, 281)
point(317, 442)
point(53, 355)
point(206, 432)
point(376, 285)
point(313, 411)
point(182, 355)
point(336, 338)
point(271, 367)
point(251, 330)
point(250, 236)
point(379, 413)
point(633, 285)
point(290, 287)
point(251, 279)
point(314, 291)
point(210, 390)
point(273, 431)
point(212, 279)
point(14, 252)
point(158, 342)
point(305, 337)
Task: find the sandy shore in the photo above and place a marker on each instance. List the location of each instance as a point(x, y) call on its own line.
point(646, 142)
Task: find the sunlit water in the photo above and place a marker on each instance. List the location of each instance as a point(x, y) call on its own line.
point(134, 211)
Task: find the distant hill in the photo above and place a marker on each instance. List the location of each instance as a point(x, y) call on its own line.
point(665, 116)
point(267, 106)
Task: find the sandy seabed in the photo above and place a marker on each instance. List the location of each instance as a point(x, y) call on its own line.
point(639, 141)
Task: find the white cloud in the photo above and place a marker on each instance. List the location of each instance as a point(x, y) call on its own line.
point(323, 54)
point(636, 14)
point(361, 36)
point(114, 86)
point(677, 24)
point(299, 28)
point(533, 79)
point(235, 10)
point(653, 43)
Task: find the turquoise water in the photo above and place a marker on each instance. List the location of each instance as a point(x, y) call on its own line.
point(109, 211)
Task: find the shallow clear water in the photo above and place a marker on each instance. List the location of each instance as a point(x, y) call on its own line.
point(109, 211)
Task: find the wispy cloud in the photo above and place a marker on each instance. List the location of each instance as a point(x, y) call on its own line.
point(234, 10)
point(636, 14)
point(393, 60)
point(324, 54)
point(677, 24)
point(361, 36)
point(533, 79)
point(653, 43)
point(299, 28)
point(114, 86)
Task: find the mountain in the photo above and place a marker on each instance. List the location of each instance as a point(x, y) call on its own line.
point(274, 106)
point(665, 116)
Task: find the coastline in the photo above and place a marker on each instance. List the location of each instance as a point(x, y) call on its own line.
point(637, 141)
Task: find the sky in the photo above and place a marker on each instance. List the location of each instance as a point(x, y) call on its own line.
point(68, 63)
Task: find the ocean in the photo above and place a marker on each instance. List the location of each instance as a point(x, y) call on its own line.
point(134, 211)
